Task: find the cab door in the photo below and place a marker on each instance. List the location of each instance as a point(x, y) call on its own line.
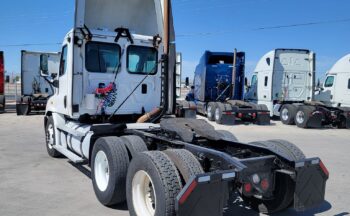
point(62, 98)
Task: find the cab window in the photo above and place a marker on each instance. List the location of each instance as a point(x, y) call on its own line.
point(102, 57)
point(142, 60)
point(329, 82)
point(63, 62)
point(254, 80)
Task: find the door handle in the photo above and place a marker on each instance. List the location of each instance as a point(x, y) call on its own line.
point(65, 102)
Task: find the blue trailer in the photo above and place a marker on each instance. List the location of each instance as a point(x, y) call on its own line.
point(218, 92)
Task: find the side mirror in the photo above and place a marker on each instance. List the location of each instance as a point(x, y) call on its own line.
point(187, 82)
point(55, 83)
point(44, 65)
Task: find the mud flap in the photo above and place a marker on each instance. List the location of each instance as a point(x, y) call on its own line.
point(186, 109)
point(263, 118)
point(311, 178)
point(205, 195)
point(315, 120)
point(228, 118)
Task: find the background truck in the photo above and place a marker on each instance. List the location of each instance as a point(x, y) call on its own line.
point(35, 89)
point(113, 89)
point(219, 90)
point(2, 83)
point(284, 80)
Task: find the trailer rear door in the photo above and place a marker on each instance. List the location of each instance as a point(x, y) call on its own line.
point(293, 75)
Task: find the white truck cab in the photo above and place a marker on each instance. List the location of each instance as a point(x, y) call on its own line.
point(336, 88)
point(283, 76)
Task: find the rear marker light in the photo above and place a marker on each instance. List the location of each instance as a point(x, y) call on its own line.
point(189, 190)
point(324, 169)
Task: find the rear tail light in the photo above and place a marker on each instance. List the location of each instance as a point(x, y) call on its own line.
point(265, 184)
point(248, 187)
point(254, 115)
point(240, 115)
point(228, 113)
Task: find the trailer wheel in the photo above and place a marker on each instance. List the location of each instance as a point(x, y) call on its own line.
point(109, 168)
point(294, 152)
point(185, 162)
point(287, 114)
point(50, 138)
point(2, 103)
point(211, 111)
point(153, 183)
point(303, 115)
point(228, 136)
point(134, 144)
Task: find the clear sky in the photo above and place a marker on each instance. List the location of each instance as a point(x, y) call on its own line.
point(216, 25)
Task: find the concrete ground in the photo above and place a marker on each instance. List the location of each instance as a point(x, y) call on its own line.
point(32, 183)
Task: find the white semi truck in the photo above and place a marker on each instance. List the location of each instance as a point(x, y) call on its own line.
point(116, 83)
point(284, 80)
point(35, 89)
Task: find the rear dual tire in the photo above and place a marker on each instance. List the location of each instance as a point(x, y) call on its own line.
point(287, 114)
point(155, 179)
point(211, 108)
point(2, 103)
point(303, 115)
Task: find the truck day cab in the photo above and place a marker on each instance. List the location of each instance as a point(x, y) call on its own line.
point(219, 90)
point(284, 80)
point(113, 86)
point(2, 83)
point(35, 89)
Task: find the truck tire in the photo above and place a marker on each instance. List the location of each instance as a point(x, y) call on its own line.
point(287, 114)
point(134, 144)
point(284, 185)
point(186, 163)
point(211, 111)
point(109, 168)
point(2, 103)
point(23, 109)
point(220, 108)
point(263, 107)
point(228, 136)
point(302, 116)
point(50, 138)
point(153, 183)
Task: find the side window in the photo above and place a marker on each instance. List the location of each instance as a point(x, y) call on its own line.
point(142, 60)
point(329, 82)
point(349, 84)
point(63, 62)
point(266, 80)
point(254, 80)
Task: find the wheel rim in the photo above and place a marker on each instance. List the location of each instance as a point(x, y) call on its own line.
point(50, 136)
point(101, 167)
point(300, 117)
point(217, 114)
point(143, 194)
point(209, 112)
point(285, 114)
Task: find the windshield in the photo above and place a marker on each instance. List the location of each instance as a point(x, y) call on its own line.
point(142, 60)
point(102, 57)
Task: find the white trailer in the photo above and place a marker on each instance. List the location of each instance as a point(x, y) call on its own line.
point(35, 89)
point(284, 80)
point(116, 80)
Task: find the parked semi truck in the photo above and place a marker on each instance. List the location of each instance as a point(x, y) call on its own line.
point(284, 80)
point(35, 89)
point(219, 90)
point(116, 84)
point(2, 83)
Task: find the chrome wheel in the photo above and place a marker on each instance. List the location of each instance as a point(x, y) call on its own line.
point(143, 194)
point(101, 167)
point(209, 112)
point(285, 114)
point(300, 117)
point(217, 114)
